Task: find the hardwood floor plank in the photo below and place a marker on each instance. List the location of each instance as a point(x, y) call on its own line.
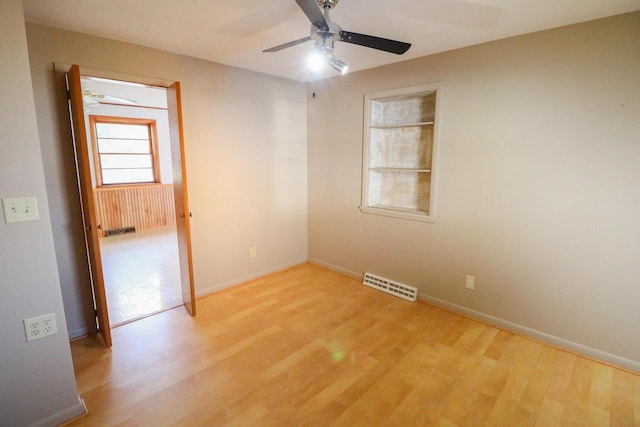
point(550, 414)
point(498, 345)
point(480, 410)
point(424, 402)
point(310, 347)
point(636, 400)
point(622, 399)
point(580, 386)
point(562, 374)
point(600, 392)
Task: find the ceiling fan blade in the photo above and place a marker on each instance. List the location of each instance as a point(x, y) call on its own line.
point(286, 45)
point(88, 95)
point(118, 100)
point(89, 100)
point(313, 12)
point(387, 45)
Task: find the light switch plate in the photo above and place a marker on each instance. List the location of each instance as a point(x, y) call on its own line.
point(20, 209)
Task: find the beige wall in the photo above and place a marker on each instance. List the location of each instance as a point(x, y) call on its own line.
point(37, 384)
point(537, 196)
point(245, 136)
point(537, 177)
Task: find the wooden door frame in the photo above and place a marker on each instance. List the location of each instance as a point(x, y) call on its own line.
point(183, 212)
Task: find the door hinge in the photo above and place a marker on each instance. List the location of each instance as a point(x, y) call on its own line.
point(68, 95)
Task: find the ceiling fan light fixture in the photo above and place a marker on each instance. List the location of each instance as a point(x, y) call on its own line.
point(338, 65)
point(315, 62)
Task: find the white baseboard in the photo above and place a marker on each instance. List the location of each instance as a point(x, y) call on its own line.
point(544, 337)
point(75, 411)
point(553, 340)
point(78, 333)
point(336, 268)
point(220, 286)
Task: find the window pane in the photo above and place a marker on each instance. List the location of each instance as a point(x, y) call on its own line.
point(123, 131)
point(124, 161)
point(123, 146)
point(127, 176)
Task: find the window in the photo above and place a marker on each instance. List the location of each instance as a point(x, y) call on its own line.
point(125, 150)
point(399, 147)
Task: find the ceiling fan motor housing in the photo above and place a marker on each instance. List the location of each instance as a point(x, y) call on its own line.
point(325, 38)
point(327, 3)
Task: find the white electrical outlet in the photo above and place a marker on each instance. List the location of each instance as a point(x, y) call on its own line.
point(40, 327)
point(20, 209)
point(470, 283)
point(252, 252)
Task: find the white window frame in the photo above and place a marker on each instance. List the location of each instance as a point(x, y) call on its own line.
point(398, 212)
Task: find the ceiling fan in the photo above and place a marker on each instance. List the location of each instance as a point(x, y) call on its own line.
point(93, 98)
point(326, 32)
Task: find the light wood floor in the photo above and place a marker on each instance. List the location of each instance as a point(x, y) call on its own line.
point(307, 346)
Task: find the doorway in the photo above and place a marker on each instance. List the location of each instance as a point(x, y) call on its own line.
point(127, 128)
point(106, 163)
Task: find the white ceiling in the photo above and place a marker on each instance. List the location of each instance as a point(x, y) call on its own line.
point(234, 32)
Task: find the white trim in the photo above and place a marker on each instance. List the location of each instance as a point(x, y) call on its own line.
point(114, 75)
point(398, 214)
point(78, 333)
point(553, 340)
point(63, 416)
point(220, 286)
point(365, 207)
point(336, 268)
point(544, 337)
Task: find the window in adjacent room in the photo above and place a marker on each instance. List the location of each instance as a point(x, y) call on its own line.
point(400, 134)
point(125, 150)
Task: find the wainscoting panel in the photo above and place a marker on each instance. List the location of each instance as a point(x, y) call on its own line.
point(142, 207)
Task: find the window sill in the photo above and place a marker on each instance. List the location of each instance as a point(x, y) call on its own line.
point(131, 185)
point(409, 214)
